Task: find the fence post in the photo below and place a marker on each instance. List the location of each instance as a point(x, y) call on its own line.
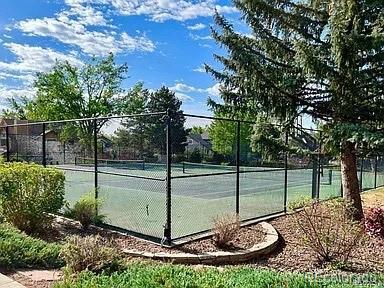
point(44, 147)
point(375, 181)
point(319, 171)
point(7, 142)
point(95, 161)
point(167, 228)
point(238, 168)
point(64, 152)
point(286, 171)
point(361, 174)
point(315, 172)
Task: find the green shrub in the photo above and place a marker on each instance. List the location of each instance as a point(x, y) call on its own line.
point(28, 192)
point(17, 250)
point(85, 211)
point(299, 203)
point(91, 253)
point(195, 156)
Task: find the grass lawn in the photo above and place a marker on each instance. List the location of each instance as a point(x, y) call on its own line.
point(144, 275)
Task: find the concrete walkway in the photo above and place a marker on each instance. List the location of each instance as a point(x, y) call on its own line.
point(6, 282)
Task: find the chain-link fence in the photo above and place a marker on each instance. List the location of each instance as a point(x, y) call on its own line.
point(167, 176)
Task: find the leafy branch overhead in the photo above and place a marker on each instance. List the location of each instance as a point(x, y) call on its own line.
point(302, 57)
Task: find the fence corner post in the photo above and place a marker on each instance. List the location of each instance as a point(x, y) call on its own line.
point(168, 224)
point(96, 183)
point(361, 174)
point(375, 181)
point(238, 167)
point(44, 162)
point(286, 171)
point(7, 143)
point(319, 164)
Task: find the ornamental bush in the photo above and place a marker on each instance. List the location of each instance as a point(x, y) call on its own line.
point(28, 192)
point(374, 222)
point(85, 211)
point(327, 230)
point(92, 253)
point(225, 229)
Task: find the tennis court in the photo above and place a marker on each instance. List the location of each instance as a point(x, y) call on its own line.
point(135, 192)
point(134, 198)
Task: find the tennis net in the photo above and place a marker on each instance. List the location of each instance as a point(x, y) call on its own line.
point(119, 164)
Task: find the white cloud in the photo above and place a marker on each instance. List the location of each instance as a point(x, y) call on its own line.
point(184, 89)
point(183, 97)
point(200, 69)
point(31, 59)
point(198, 37)
point(181, 87)
point(7, 93)
point(198, 26)
point(71, 27)
point(163, 10)
point(91, 42)
point(214, 90)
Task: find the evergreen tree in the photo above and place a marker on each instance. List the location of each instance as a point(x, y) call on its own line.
point(165, 100)
point(320, 58)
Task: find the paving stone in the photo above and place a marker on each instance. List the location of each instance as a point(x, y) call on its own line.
point(41, 275)
point(6, 282)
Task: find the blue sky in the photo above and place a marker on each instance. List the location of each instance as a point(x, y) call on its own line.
point(164, 42)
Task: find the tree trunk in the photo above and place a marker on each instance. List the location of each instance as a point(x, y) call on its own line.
point(350, 182)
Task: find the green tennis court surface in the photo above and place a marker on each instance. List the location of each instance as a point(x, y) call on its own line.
point(138, 204)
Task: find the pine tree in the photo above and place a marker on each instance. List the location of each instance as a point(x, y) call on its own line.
point(320, 58)
point(165, 100)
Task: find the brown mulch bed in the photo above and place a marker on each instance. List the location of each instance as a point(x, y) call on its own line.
point(368, 257)
point(246, 238)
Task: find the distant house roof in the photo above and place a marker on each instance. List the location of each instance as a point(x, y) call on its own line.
point(5, 121)
point(199, 138)
point(30, 130)
point(105, 139)
point(205, 136)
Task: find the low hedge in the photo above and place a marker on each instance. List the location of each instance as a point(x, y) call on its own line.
point(18, 250)
point(28, 192)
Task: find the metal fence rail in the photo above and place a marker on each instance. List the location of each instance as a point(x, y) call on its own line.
point(151, 188)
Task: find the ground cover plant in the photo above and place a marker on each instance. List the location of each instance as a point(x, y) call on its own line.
point(28, 192)
point(92, 253)
point(145, 275)
point(18, 250)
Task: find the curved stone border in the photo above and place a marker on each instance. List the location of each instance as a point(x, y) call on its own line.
point(259, 249)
